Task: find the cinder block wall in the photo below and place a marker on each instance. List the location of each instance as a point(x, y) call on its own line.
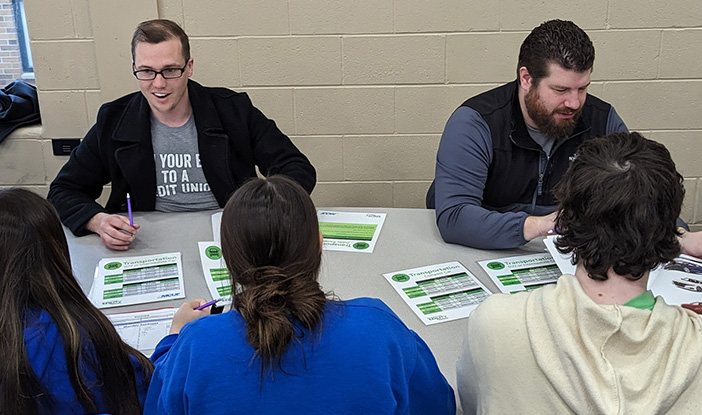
point(364, 87)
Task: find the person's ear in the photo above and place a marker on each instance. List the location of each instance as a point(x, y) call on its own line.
point(189, 68)
point(321, 241)
point(525, 79)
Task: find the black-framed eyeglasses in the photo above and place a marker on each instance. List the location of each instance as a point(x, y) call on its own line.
point(168, 73)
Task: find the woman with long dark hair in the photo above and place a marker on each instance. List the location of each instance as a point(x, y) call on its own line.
point(286, 346)
point(60, 354)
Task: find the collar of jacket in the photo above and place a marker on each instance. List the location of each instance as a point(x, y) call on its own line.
point(134, 131)
point(520, 134)
point(135, 123)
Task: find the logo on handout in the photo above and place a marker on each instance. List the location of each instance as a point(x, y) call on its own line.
point(169, 295)
point(438, 318)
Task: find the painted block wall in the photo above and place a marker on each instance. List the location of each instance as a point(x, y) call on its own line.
point(364, 87)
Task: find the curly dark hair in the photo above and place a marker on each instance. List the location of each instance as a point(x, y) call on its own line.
point(557, 41)
point(618, 206)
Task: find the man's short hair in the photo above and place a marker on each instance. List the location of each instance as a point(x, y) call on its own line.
point(160, 30)
point(556, 41)
point(618, 206)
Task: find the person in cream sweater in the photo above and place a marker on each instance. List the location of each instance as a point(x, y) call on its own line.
point(596, 342)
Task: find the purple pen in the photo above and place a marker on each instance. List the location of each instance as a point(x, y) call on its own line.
point(207, 304)
point(129, 210)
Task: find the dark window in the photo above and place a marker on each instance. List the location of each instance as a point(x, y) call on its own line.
point(22, 35)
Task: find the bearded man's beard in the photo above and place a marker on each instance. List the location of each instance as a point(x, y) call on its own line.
point(544, 120)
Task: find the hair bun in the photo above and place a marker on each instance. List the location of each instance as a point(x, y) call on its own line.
point(265, 275)
point(268, 288)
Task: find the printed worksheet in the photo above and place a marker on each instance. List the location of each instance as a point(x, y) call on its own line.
point(438, 293)
point(215, 271)
point(143, 329)
point(520, 273)
point(136, 280)
point(562, 260)
point(350, 231)
point(678, 282)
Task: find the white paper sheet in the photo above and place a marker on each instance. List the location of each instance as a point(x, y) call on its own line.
point(678, 282)
point(143, 329)
point(136, 280)
point(562, 260)
point(215, 272)
point(350, 231)
point(520, 273)
point(440, 292)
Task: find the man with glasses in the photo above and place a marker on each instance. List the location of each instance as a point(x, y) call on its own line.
point(176, 146)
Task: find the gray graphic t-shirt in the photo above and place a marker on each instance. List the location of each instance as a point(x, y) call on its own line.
point(180, 182)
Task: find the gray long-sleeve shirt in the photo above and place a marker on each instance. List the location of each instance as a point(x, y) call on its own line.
point(463, 159)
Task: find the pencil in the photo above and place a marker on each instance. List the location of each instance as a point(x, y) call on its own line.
point(207, 304)
point(129, 210)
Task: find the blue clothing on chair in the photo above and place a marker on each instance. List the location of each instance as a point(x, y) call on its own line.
point(363, 360)
point(47, 358)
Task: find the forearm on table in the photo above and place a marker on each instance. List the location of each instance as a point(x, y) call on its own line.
point(478, 227)
point(74, 208)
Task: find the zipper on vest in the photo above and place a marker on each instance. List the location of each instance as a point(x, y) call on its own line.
point(540, 184)
point(543, 163)
point(539, 187)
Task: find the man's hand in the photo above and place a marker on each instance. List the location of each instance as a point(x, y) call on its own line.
point(690, 243)
point(114, 230)
point(535, 226)
point(187, 313)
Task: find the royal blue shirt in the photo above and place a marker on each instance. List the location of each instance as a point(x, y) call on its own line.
point(47, 358)
point(363, 361)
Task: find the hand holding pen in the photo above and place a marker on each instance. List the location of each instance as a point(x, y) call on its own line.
point(190, 311)
point(115, 230)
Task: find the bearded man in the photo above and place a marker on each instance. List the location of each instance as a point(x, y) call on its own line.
point(503, 151)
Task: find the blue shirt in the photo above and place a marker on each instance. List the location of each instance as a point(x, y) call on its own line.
point(47, 358)
point(364, 360)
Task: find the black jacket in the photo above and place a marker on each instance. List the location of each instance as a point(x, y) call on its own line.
point(233, 138)
point(19, 106)
point(514, 172)
point(488, 168)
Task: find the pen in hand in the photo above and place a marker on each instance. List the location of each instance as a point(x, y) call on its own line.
point(129, 210)
point(207, 304)
point(189, 311)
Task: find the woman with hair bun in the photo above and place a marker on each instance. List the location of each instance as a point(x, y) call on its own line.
point(286, 346)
